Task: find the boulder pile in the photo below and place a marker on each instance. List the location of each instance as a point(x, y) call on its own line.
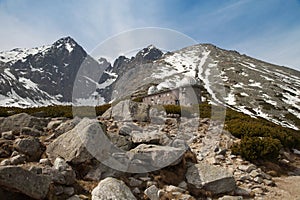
point(123, 155)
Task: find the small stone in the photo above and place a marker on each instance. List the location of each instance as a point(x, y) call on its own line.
point(150, 183)
point(60, 164)
point(186, 197)
point(183, 185)
point(220, 157)
point(244, 177)
point(247, 168)
point(258, 191)
point(258, 180)
point(8, 135)
point(254, 173)
point(53, 124)
point(74, 197)
point(58, 190)
point(227, 197)
point(45, 161)
point(70, 176)
point(69, 191)
point(269, 183)
point(136, 190)
point(133, 182)
point(30, 131)
point(152, 192)
point(14, 153)
point(284, 161)
point(266, 176)
point(239, 191)
point(172, 188)
point(18, 159)
point(5, 162)
point(212, 160)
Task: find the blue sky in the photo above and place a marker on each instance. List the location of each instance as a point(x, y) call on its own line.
point(264, 29)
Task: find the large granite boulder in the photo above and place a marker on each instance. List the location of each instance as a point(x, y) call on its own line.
point(72, 146)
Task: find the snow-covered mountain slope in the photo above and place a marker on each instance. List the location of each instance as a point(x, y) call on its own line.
point(41, 76)
point(243, 83)
point(46, 75)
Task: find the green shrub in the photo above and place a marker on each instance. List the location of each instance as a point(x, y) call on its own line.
point(254, 148)
point(56, 111)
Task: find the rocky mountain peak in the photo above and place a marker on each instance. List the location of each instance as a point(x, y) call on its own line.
point(66, 43)
point(149, 53)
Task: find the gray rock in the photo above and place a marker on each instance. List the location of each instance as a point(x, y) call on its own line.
point(58, 190)
point(133, 182)
point(156, 156)
point(45, 161)
point(8, 135)
point(211, 178)
point(5, 162)
point(152, 137)
point(101, 171)
point(245, 192)
point(111, 188)
point(254, 173)
point(30, 131)
point(127, 128)
point(36, 169)
point(136, 190)
point(72, 145)
point(66, 126)
point(23, 181)
point(56, 176)
point(29, 146)
point(70, 176)
point(172, 188)
point(120, 141)
point(157, 116)
point(18, 159)
point(14, 153)
point(69, 191)
point(60, 164)
point(74, 197)
point(67, 177)
point(128, 111)
point(227, 197)
point(183, 185)
point(152, 192)
point(247, 168)
point(258, 179)
point(16, 122)
point(53, 124)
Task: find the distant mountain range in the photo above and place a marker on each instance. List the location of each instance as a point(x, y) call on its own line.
point(46, 75)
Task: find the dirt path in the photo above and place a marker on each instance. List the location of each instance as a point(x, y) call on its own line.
point(288, 188)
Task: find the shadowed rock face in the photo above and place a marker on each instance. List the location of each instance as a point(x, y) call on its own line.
point(26, 182)
point(43, 75)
